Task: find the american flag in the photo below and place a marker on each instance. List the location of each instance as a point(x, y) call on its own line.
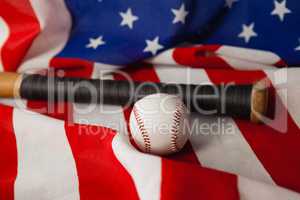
point(63, 153)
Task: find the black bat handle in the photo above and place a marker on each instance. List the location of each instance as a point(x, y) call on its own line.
point(231, 100)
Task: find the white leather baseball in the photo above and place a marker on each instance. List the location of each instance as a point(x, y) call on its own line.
point(158, 124)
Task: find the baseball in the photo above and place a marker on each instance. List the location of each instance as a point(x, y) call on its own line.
point(158, 124)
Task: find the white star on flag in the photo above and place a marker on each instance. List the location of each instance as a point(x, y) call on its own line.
point(180, 14)
point(128, 18)
point(298, 48)
point(95, 42)
point(280, 9)
point(247, 32)
point(153, 46)
point(229, 3)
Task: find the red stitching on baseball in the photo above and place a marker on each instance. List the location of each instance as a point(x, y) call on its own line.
point(143, 130)
point(175, 127)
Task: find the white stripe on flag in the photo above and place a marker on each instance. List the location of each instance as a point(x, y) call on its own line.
point(225, 148)
point(185, 75)
point(55, 24)
point(230, 153)
point(101, 69)
point(241, 64)
point(4, 34)
point(164, 58)
point(251, 55)
point(16, 103)
point(144, 169)
point(253, 190)
point(46, 167)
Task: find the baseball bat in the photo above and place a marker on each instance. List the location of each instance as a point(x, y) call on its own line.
point(240, 101)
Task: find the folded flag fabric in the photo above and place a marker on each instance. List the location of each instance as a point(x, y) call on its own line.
point(58, 152)
point(121, 32)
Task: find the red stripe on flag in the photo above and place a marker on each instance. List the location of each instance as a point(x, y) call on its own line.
point(100, 174)
point(73, 67)
point(24, 27)
point(277, 151)
point(200, 57)
point(185, 155)
point(190, 181)
point(281, 63)
point(63, 111)
point(8, 154)
point(237, 76)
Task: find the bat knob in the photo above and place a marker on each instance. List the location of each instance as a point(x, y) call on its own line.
point(10, 84)
point(259, 101)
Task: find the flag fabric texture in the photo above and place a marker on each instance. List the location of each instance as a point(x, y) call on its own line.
point(60, 152)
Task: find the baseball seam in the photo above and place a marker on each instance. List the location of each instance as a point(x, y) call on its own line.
point(176, 127)
point(142, 129)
